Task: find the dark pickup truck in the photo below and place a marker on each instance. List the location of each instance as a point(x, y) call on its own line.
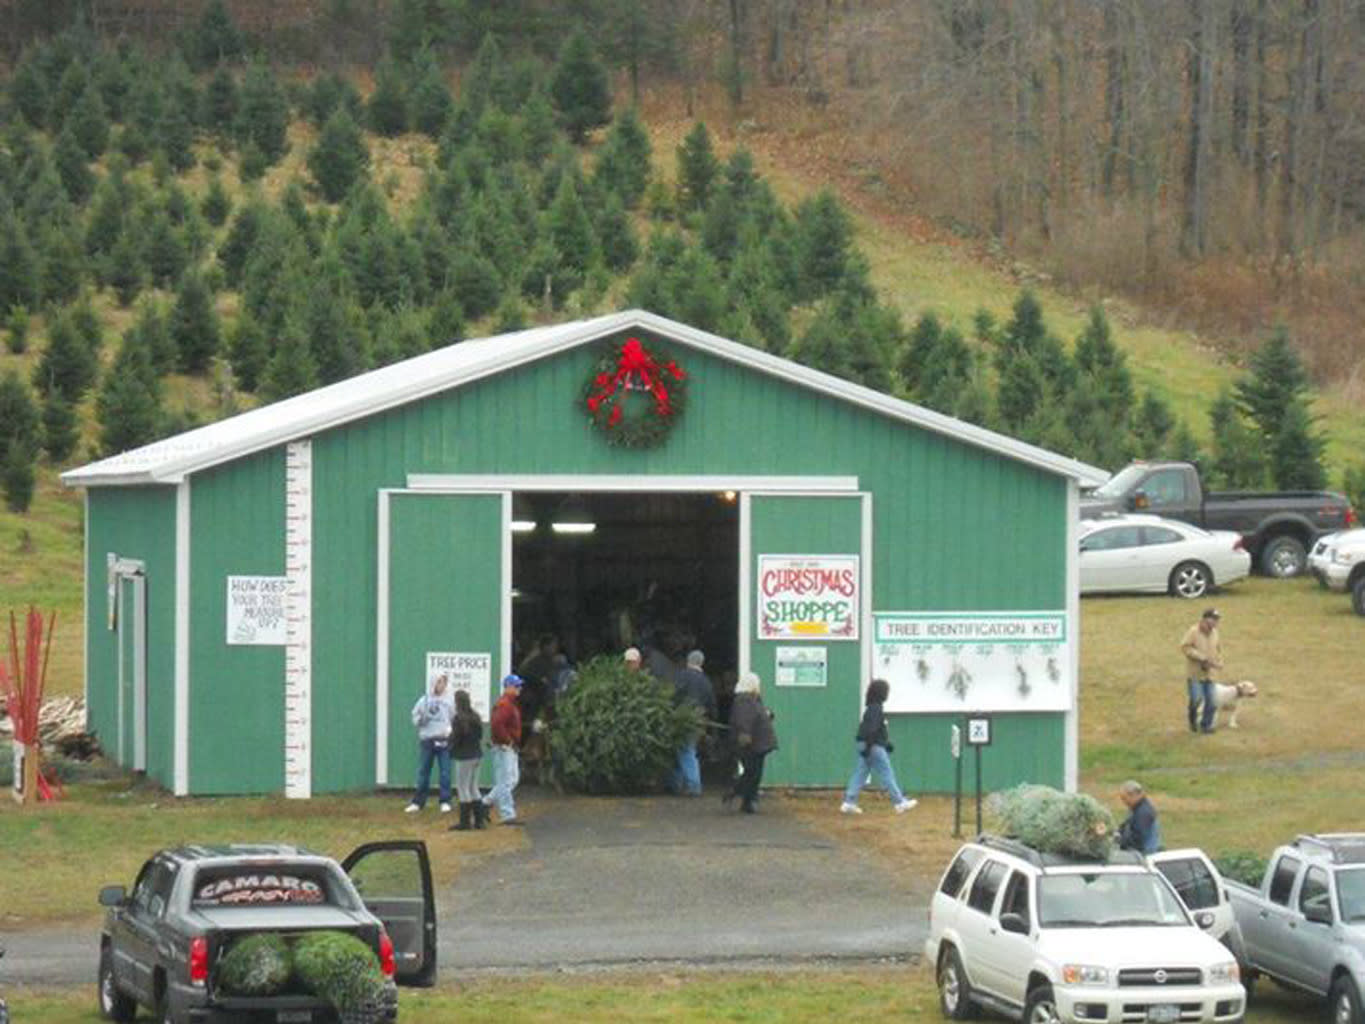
point(1278, 528)
point(160, 945)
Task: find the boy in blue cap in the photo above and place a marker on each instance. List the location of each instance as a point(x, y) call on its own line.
point(504, 725)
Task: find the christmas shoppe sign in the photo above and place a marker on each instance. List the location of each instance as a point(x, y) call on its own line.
point(809, 597)
point(974, 661)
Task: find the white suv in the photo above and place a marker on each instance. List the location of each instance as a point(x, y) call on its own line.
point(1338, 561)
point(1044, 938)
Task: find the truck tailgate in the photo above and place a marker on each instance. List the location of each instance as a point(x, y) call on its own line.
point(279, 918)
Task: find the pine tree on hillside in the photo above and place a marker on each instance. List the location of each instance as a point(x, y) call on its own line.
point(445, 321)
point(18, 267)
point(431, 99)
point(128, 406)
point(290, 370)
point(19, 479)
point(1238, 458)
point(1026, 333)
point(570, 230)
point(236, 248)
point(63, 266)
point(579, 87)
point(73, 167)
point(87, 323)
point(1098, 356)
point(328, 92)
point(194, 324)
point(740, 178)
point(61, 432)
point(216, 204)
point(145, 104)
point(219, 112)
point(623, 163)
point(175, 137)
point(838, 342)
point(127, 272)
point(18, 414)
point(90, 123)
point(339, 158)
point(485, 80)
point(68, 365)
point(263, 114)
point(475, 283)
point(163, 250)
point(215, 38)
point(248, 352)
point(1296, 452)
point(105, 225)
point(336, 338)
point(387, 109)
point(1020, 392)
point(17, 326)
point(1183, 445)
point(114, 82)
point(824, 245)
point(698, 169)
point(1152, 426)
point(1276, 379)
point(538, 128)
point(28, 91)
point(151, 332)
point(72, 83)
point(616, 236)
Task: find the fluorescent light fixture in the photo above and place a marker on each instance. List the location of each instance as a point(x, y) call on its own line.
point(523, 515)
point(573, 516)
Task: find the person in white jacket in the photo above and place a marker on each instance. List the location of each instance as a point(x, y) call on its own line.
point(432, 716)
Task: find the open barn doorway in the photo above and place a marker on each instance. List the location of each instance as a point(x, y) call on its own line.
point(595, 573)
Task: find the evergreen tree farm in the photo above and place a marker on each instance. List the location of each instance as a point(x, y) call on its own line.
point(340, 158)
point(579, 87)
point(194, 324)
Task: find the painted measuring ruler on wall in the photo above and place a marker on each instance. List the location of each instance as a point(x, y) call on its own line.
point(298, 647)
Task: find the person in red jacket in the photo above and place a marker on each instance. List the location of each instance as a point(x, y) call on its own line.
point(504, 724)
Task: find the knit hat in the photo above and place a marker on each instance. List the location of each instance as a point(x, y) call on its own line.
point(513, 680)
point(748, 683)
point(632, 654)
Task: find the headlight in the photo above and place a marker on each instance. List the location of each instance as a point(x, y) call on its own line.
point(1223, 974)
point(1083, 974)
point(1343, 557)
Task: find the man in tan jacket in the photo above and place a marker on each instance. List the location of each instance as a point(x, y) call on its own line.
point(1202, 656)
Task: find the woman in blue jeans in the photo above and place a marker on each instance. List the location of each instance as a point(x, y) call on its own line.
point(873, 755)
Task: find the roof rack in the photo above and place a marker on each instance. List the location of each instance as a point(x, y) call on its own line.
point(1011, 846)
point(1044, 860)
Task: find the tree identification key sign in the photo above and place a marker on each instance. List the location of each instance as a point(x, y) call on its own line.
point(809, 597)
point(974, 661)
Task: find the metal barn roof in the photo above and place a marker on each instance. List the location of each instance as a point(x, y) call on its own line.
point(169, 461)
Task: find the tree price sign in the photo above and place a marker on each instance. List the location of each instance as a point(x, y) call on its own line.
point(255, 610)
point(472, 672)
point(809, 597)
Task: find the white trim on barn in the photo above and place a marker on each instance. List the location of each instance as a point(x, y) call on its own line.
point(170, 460)
point(1071, 722)
point(181, 768)
point(647, 484)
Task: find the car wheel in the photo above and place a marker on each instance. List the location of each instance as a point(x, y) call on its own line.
point(1358, 595)
point(1344, 1001)
point(1284, 557)
point(114, 1005)
point(1190, 580)
point(954, 994)
point(1041, 1007)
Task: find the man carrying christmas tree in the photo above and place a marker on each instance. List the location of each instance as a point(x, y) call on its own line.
point(1139, 830)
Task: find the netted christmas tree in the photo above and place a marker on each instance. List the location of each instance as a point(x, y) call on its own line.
point(258, 965)
point(1051, 821)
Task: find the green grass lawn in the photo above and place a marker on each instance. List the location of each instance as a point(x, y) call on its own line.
point(789, 997)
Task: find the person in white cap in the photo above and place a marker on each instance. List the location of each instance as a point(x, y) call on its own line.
point(632, 659)
point(753, 736)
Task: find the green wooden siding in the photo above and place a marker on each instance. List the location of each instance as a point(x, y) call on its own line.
point(814, 725)
point(237, 692)
point(1024, 748)
point(956, 527)
point(445, 586)
point(136, 523)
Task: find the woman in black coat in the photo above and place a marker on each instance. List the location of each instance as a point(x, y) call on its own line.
point(751, 732)
point(874, 750)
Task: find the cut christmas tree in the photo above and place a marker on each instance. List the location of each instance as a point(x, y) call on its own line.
point(1050, 821)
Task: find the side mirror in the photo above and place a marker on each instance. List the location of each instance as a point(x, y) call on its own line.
point(1139, 500)
point(1317, 913)
point(113, 896)
point(1014, 923)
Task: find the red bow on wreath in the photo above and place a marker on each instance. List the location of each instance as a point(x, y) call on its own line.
point(636, 369)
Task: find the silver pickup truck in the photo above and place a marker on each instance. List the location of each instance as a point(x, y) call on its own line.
point(1305, 926)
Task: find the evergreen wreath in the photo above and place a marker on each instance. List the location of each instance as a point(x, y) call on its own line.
point(635, 395)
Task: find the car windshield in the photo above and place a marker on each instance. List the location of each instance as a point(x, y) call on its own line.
point(1107, 899)
point(1351, 893)
point(1120, 482)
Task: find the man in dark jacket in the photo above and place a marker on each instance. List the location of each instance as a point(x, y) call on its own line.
point(692, 689)
point(1139, 830)
point(504, 726)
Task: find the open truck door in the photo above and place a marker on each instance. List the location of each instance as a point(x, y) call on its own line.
point(394, 881)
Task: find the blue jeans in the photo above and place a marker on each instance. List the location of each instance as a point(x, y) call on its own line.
point(687, 771)
point(441, 755)
point(877, 762)
point(1201, 690)
point(506, 775)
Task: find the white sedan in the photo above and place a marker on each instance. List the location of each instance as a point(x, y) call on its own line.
point(1156, 555)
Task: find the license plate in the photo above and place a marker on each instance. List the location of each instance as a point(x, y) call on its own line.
point(304, 1016)
point(1165, 1014)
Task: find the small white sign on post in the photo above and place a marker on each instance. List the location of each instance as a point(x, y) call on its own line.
point(979, 732)
point(255, 610)
point(802, 666)
point(471, 672)
point(808, 597)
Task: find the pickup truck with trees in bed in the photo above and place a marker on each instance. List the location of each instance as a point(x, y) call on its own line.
point(160, 946)
point(1305, 926)
point(1278, 528)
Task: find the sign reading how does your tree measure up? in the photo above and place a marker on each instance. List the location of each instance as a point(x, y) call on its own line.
point(808, 597)
point(974, 661)
point(255, 610)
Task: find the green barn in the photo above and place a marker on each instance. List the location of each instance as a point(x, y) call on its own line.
point(266, 596)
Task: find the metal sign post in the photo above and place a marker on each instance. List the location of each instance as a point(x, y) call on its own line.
point(955, 744)
point(978, 736)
